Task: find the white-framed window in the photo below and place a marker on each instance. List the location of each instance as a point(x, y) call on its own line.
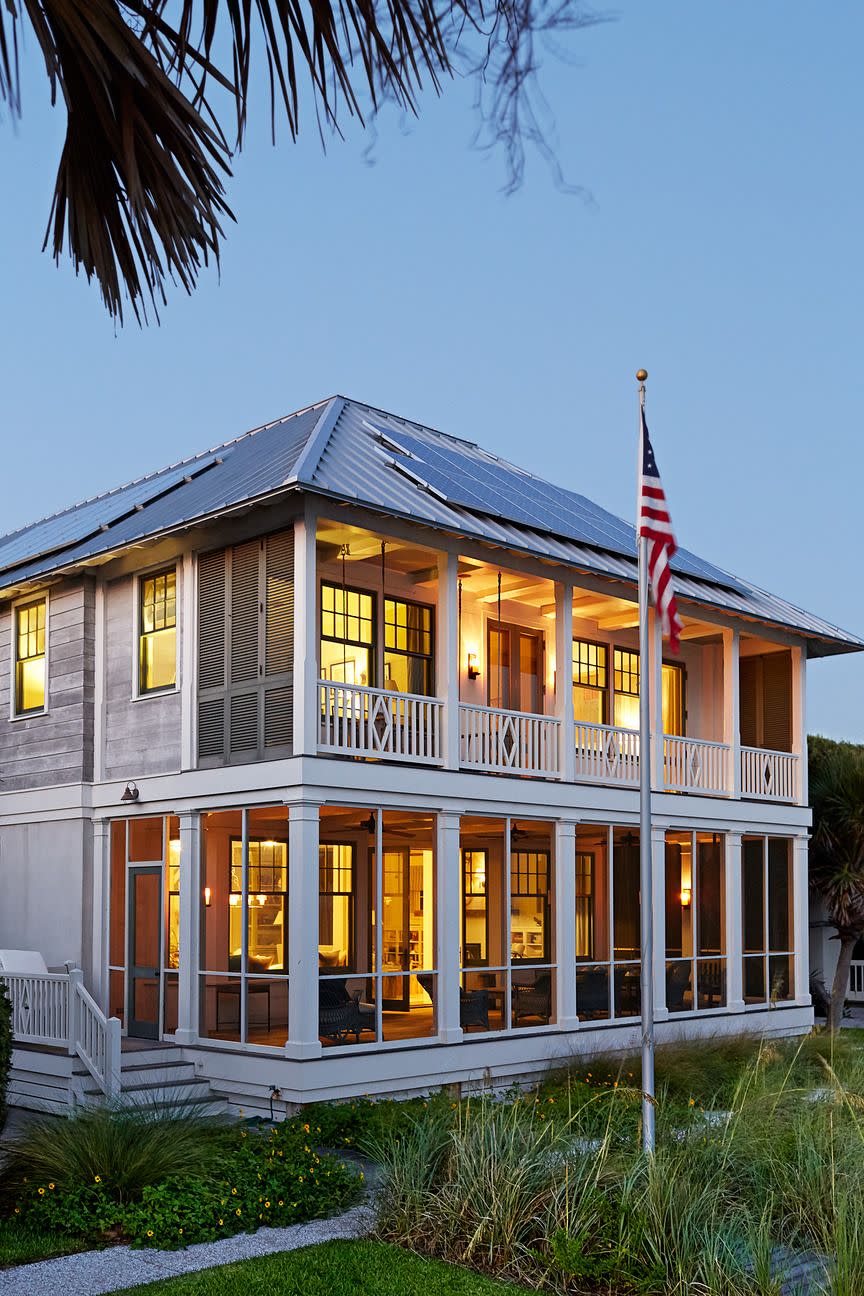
point(30, 657)
point(695, 921)
point(156, 616)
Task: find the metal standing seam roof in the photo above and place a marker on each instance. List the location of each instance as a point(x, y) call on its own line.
point(352, 452)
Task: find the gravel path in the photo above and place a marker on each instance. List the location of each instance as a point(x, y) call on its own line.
point(110, 1270)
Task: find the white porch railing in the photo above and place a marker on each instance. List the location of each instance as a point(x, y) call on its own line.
point(510, 742)
point(769, 775)
point(54, 1008)
point(607, 754)
point(695, 765)
point(360, 721)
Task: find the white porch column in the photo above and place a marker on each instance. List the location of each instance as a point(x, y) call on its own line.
point(96, 959)
point(734, 925)
point(303, 1041)
point(801, 918)
point(564, 680)
point(658, 876)
point(799, 719)
point(449, 900)
point(305, 638)
point(188, 997)
point(655, 675)
point(564, 899)
point(447, 650)
point(731, 710)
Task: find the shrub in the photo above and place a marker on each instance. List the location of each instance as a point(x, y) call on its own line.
point(363, 1122)
point(243, 1180)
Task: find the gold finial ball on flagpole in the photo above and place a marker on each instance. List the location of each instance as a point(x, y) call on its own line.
point(641, 375)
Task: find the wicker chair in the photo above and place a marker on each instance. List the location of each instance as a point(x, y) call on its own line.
point(533, 1000)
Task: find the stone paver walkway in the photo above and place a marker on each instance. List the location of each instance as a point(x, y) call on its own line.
point(93, 1273)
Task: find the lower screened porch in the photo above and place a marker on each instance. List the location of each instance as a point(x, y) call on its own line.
point(326, 930)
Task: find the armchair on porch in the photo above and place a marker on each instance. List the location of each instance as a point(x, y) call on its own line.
point(533, 999)
point(342, 1012)
point(473, 1004)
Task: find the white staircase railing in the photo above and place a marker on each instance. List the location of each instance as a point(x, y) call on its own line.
point(55, 1009)
point(512, 742)
point(695, 765)
point(360, 721)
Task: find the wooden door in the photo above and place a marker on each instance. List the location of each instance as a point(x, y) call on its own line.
point(145, 950)
point(515, 667)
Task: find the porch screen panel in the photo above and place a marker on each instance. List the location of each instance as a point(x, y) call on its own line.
point(246, 651)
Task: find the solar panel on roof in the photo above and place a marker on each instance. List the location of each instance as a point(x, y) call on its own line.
point(501, 490)
point(93, 516)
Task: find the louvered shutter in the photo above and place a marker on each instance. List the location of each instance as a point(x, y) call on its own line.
point(211, 655)
point(748, 694)
point(279, 640)
point(777, 701)
point(246, 651)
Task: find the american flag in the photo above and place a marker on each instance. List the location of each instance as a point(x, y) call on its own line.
point(656, 525)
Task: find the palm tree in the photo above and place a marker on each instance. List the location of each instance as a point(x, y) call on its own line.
point(139, 197)
point(837, 850)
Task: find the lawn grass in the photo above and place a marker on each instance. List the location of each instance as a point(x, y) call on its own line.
point(333, 1269)
point(22, 1243)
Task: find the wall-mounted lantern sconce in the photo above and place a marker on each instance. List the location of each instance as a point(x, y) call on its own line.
point(686, 897)
point(207, 897)
point(131, 792)
point(473, 668)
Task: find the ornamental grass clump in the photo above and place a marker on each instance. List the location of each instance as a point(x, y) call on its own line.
point(553, 1190)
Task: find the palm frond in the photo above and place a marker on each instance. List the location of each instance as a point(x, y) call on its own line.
point(139, 198)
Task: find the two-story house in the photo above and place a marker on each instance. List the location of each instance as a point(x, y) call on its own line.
point(320, 759)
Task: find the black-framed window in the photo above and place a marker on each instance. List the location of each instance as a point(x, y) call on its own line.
point(590, 681)
point(348, 639)
point(30, 683)
point(585, 904)
point(157, 631)
point(475, 909)
point(529, 905)
point(625, 685)
point(409, 637)
point(336, 898)
point(266, 901)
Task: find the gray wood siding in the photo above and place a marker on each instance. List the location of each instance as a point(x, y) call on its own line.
point(142, 736)
point(41, 750)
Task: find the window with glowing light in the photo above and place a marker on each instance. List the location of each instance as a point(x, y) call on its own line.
point(30, 624)
point(157, 647)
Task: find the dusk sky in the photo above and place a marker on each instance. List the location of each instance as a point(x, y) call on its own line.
point(717, 243)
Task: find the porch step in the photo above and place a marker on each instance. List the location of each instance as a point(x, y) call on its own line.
point(155, 1077)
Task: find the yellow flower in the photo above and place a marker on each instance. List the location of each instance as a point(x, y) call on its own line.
point(306, 1128)
point(692, 1102)
point(51, 1186)
point(238, 1211)
point(281, 1203)
point(149, 1232)
point(17, 1210)
point(266, 1205)
point(221, 1222)
point(180, 1230)
point(41, 1192)
point(234, 1192)
point(97, 1178)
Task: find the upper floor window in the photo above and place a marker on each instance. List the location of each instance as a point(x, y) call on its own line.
point(625, 674)
point(590, 681)
point(30, 623)
point(408, 662)
point(157, 634)
point(347, 635)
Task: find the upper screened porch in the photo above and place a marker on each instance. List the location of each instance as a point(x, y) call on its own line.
point(448, 659)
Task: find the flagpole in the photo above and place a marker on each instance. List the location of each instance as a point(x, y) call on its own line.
point(646, 914)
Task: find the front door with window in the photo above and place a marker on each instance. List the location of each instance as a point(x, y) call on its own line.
point(145, 950)
point(515, 675)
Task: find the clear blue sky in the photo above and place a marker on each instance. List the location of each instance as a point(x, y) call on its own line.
point(721, 248)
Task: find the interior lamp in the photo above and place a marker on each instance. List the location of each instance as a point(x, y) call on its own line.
point(473, 668)
point(686, 897)
point(207, 897)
